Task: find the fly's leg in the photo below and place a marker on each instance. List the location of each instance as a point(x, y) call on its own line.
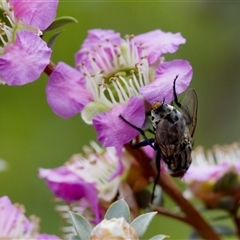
point(158, 166)
point(146, 141)
point(175, 94)
point(151, 131)
point(149, 141)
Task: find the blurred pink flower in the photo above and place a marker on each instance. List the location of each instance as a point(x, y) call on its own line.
point(89, 180)
point(14, 224)
point(119, 75)
point(214, 175)
point(23, 54)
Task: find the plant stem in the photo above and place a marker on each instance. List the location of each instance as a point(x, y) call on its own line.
point(172, 190)
point(236, 220)
point(49, 68)
point(165, 212)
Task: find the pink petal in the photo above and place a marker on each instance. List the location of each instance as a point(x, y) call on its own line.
point(162, 87)
point(157, 42)
point(206, 172)
point(10, 215)
point(66, 94)
point(96, 41)
point(237, 166)
point(47, 237)
point(99, 36)
point(112, 130)
point(70, 187)
point(24, 60)
point(64, 183)
point(37, 13)
point(120, 166)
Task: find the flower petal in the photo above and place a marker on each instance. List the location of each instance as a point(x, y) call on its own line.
point(206, 172)
point(112, 130)
point(64, 183)
point(157, 42)
point(96, 36)
point(66, 94)
point(47, 237)
point(24, 60)
point(97, 40)
point(37, 13)
point(162, 87)
point(14, 224)
point(70, 187)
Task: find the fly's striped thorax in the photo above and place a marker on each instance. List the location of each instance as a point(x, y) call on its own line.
point(159, 111)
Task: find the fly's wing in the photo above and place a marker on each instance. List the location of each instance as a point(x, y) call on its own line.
point(189, 108)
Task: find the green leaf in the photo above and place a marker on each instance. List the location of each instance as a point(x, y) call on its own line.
point(194, 235)
point(219, 229)
point(75, 237)
point(61, 21)
point(117, 210)
point(221, 217)
point(52, 40)
point(141, 223)
point(159, 237)
point(224, 230)
point(81, 226)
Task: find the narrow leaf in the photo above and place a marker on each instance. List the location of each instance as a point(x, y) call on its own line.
point(159, 237)
point(141, 223)
point(81, 226)
point(75, 237)
point(117, 210)
point(53, 39)
point(220, 230)
point(194, 235)
point(222, 217)
point(61, 21)
point(224, 230)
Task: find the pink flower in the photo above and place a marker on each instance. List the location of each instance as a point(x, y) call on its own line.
point(214, 176)
point(94, 177)
point(23, 54)
point(119, 75)
point(14, 224)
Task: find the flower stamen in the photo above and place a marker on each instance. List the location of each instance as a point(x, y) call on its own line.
point(131, 72)
point(218, 154)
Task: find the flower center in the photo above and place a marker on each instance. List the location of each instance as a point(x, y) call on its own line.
point(7, 23)
point(117, 72)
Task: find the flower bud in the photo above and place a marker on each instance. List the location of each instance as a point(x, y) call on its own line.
point(114, 229)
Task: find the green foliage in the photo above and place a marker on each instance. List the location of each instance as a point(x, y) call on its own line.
point(53, 39)
point(141, 223)
point(159, 237)
point(81, 226)
point(117, 210)
point(60, 22)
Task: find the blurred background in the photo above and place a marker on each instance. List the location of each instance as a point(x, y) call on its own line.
point(32, 136)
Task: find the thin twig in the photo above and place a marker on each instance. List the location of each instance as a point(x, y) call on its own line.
point(165, 212)
point(49, 68)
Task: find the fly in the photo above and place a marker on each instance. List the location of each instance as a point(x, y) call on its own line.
point(174, 130)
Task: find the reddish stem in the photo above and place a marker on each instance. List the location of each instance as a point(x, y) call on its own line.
point(237, 224)
point(172, 190)
point(49, 68)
